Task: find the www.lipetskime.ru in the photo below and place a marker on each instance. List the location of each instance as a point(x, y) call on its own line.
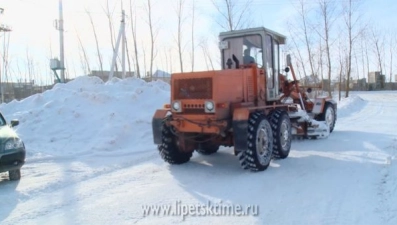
point(209, 209)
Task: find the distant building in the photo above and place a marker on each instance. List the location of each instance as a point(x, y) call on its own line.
point(160, 75)
point(310, 80)
point(376, 80)
point(20, 90)
point(359, 85)
point(326, 85)
point(104, 75)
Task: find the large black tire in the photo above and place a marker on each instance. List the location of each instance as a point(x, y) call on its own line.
point(206, 148)
point(329, 116)
point(282, 137)
point(169, 150)
point(258, 155)
point(14, 174)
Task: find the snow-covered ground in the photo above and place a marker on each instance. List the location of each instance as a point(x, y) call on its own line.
point(91, 160)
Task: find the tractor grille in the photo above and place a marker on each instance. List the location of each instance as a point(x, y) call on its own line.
point(193, 108)
point(194, 88)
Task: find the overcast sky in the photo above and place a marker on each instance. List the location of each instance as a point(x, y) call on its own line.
point(32, 22)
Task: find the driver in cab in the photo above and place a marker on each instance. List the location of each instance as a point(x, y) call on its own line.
point(247, 58)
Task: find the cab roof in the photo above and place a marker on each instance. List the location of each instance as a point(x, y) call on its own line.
point(258, 30)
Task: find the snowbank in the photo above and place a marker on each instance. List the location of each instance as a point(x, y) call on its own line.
point(351, 105)
point(88, 116)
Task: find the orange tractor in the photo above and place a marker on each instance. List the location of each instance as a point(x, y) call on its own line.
point(248, 105)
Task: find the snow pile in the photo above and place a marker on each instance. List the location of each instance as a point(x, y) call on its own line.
point(88, 116)
point(351, 105)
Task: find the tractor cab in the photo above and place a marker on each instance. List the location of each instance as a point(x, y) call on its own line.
point(254, 46)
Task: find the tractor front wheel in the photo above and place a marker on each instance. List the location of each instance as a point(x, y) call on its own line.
point(169, 150)
point(258, 155)
point(329, 116)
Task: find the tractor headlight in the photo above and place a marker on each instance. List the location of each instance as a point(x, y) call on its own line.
point(14, 143)
point(176, 106)
point(209, 106)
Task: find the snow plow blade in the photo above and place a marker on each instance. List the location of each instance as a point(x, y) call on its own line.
point(318, 129)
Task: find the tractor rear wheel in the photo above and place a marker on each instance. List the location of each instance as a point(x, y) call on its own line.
point(169, 150)
point(258, 155)
point(207, 148)
point(282, 137)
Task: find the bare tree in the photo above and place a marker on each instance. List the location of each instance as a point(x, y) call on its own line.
point(84, 58)
point(378, 43)
point(298, 51)
point(50, 78)
point(192, 34)
point(363, 50)
point(109, 15)
point(303, 12)
point(341, 70)
point(351, 22)
point(233, 15)
point(392, 49)
point(29, 64)
point(298, 68)
point(99, 55)
point(153, 34)
point(179, 11)
point(171, 66)
point(144, 61)
point(128, 54)
point(207, 54)
point(133, 31)
point(164, 59)
point(327, 11)
point(366, 43)
point(321, 60)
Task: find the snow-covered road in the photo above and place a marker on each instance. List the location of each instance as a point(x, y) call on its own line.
point(87, 165)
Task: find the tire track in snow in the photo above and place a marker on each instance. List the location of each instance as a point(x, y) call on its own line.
point(57, 191)
point(375, 106)
point(333, 210)
point(363, 115)
point(65, 183)
point(380, 106)
point(387, 187)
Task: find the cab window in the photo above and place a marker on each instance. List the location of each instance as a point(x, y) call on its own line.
point(246, 49)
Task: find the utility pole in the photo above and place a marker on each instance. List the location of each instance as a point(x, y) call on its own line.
point(4, 29)
point(121, 37)
point(61, 57)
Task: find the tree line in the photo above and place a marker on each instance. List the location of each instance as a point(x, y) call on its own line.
point(333, 40)
point(328, 39)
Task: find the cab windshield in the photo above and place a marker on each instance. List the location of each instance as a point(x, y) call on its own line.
point(246, 49)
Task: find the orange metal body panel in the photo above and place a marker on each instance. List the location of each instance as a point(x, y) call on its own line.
point(197, 126)
point(160, 113)
point(231, 89)
point(241, 114)
point(228, 83)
